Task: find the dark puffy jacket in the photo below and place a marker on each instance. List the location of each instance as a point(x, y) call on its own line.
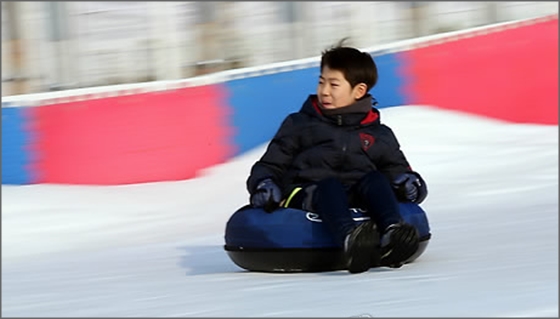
point(315, 143)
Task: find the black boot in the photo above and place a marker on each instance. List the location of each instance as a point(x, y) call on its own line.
point(361, 248)
point(398, 243)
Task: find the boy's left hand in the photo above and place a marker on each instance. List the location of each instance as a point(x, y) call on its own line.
point(411, 187)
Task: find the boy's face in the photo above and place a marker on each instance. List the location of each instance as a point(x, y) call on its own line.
point(334, 90)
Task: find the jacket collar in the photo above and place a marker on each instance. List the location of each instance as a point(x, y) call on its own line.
point(359, 113)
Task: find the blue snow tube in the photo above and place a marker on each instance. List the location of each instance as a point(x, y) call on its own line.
point(293, 240)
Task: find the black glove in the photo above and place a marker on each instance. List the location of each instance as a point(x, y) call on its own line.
point(267, 195)
point(410, 187)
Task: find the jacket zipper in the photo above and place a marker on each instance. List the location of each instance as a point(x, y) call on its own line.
point(344, 144)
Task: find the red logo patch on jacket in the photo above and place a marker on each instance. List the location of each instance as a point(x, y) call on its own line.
point(367, 141)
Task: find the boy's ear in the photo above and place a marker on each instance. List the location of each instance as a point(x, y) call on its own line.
point(359, 91)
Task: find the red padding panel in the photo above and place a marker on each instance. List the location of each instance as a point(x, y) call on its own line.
point(510, 74)
point(147, 137)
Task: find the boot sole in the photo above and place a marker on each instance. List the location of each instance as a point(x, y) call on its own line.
point(404, 243)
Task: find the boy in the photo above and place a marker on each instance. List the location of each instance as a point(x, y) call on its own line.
point(335, 154)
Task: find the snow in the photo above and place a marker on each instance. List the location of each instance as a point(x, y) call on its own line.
point(157, 249)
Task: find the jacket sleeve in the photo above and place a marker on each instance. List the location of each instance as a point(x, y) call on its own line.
point(393, 161)
point(277, 157)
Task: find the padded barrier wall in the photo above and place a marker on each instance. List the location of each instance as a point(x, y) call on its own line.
point(509, 74)
point(152, 134)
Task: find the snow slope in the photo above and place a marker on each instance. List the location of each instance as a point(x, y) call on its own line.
point(156, 249)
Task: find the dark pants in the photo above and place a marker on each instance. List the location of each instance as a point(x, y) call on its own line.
point(332, 201)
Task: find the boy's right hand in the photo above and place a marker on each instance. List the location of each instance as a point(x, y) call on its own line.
point(267, 195)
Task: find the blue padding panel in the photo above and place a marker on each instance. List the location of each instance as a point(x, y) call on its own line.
point(389, 88)
point(261, 103)
point(16, 157)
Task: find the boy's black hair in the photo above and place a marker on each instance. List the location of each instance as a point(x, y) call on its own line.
point(357, 66)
